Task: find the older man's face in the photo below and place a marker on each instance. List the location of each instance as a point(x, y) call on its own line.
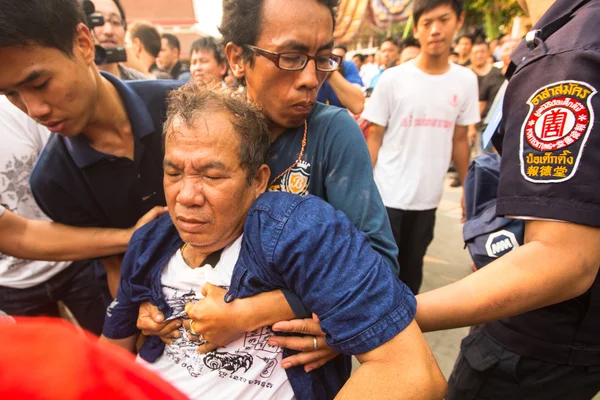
point(206, 189)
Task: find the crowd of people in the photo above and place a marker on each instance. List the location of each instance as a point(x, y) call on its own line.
point(246, 225)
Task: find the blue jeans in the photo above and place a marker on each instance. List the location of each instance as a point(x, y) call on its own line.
point(77, 286)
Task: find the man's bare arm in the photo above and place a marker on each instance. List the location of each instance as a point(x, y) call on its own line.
point(402, 368)
point(349, 94)
point(374, 140)
point(127, 343)
point(45, 240)
point(558, 262)
point(461, 153)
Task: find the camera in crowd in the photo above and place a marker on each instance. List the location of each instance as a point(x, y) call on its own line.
point(104, 55)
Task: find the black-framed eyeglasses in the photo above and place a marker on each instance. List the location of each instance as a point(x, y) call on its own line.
point(297, 61)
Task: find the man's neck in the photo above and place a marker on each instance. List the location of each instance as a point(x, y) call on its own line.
point(147, 61)
point(109, 130)
point(463, 60)
point(112, 68)
point(433, 65)
point(482, 70)
point(172, 67)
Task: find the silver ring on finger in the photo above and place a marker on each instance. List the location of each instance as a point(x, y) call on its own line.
point(315, 344)
point(192, 330)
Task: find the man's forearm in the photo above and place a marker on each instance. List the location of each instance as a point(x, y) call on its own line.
point(532, 276)
point(349, 94)
point(461, 156)
point(404, 369)
point(265, 309)
point(45, 240)
point(374, 140)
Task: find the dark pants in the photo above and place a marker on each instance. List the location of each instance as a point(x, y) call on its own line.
point(77, 286)
point(486, 370)
point(413, 232)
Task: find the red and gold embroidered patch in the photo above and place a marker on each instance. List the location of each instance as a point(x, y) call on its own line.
point(555, 131)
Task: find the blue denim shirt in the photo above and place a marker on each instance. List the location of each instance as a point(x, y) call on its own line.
point(290, 242)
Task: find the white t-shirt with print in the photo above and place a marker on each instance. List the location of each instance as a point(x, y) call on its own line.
point(420, 112)
point(248, 368)
point(22, 141)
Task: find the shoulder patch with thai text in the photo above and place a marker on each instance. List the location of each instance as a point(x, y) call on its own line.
point(554, 133)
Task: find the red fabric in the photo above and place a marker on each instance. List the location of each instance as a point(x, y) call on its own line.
point(48, 358)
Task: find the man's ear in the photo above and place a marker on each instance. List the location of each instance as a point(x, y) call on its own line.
point(461, 20)
point(415, 31)
point(261, 179)
point(138, 47)
point(83, 44)
point(236, 61)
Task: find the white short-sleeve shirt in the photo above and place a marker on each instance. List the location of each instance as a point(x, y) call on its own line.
point(420, 112)
point(22, 141)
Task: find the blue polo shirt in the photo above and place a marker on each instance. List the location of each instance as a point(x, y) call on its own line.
point(290, 242)
point(77, 185)
point(327, 94)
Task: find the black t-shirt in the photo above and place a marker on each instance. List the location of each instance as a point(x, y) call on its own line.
point(488, 87)
point(550, 170)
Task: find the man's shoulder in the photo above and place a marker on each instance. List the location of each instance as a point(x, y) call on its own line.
point(153, 87)
point(460, 72)
point(328, 123)
point(280, 206)
point(53, 157)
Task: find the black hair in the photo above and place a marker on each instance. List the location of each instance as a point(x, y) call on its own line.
point(393, 40)
point(148, 36)
point(172, 40)
point(361, 57)
point(242, 18)
point(465, 37)
point(423, 6)
point(481, 40)
point(410, 41)
point(48, 23)
point(121, 11)
point(341, 46)
point(211, 44)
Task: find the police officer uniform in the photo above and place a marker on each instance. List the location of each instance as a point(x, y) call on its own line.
point(550, 145)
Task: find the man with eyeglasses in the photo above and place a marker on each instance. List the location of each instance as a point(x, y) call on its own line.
point(112, 34)
point(284, 57)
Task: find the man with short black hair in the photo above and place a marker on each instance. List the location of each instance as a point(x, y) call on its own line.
point(112, 34)
point(411, 48)
point(103, 167)
point(168, 58)
point(419, 116)
point(389, 51)
point(464, 43)
point(207, 60)
point(144, 41)
point(343, 88)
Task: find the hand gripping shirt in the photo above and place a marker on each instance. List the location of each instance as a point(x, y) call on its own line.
point(291, 242)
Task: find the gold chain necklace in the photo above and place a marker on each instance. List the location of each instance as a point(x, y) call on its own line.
point(299, 156)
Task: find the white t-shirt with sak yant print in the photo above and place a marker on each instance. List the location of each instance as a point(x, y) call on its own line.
point(247, 368)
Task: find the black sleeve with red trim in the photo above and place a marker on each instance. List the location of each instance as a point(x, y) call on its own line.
point(551, 147)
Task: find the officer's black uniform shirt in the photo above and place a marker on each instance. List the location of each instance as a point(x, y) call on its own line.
point(551, 168)
point(77, 185)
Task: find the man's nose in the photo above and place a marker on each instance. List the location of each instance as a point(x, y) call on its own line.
point(308, 76)
point(35, 106)
point(191, 193)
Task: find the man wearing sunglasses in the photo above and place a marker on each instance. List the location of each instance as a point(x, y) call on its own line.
point(283, 52)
